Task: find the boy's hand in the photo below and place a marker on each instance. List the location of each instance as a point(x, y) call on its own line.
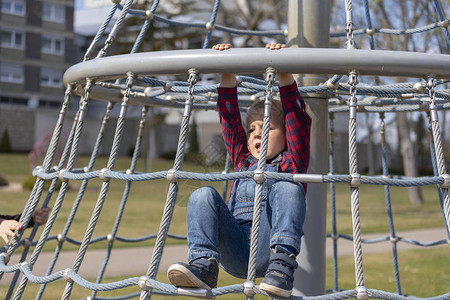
point(283, 78)
point(275, 46)
point(227, 80)
point(40, 215)
point(222, 47)
point(7, 228)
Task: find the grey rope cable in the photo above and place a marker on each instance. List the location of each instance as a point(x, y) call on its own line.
point(349, 27)
point(387, 193)
point(112, 235)
point(100, 32)
point(50, 192)
point(115, 29)
point(61, 238)
point(431, 84)
point(353, 168)
point(63, 189)
point(259, 179)
point(442, 19)
point(334, 235)
point(68, 95)
point(210, 25)
point(39, 186)
point(104, 189)
point(173, 185)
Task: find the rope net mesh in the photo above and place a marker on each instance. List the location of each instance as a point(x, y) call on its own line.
point(143, 90)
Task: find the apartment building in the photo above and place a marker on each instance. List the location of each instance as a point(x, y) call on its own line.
point(36, 47)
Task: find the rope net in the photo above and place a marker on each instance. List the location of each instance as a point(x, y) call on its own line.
point(128, 85)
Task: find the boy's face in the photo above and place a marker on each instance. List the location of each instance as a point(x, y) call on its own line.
point(277, 139)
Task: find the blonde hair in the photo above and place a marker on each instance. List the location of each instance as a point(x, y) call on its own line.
point(256, 112)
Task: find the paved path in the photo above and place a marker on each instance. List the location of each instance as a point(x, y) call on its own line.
point(132, 262)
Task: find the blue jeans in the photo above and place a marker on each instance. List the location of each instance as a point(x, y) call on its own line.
point(214, 232)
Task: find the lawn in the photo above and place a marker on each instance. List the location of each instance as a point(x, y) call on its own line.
point(420, 268)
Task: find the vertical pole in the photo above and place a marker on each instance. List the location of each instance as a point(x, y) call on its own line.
point(309, 27)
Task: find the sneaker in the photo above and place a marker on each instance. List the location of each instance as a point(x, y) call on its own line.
point(279, 278)
point(200, 273)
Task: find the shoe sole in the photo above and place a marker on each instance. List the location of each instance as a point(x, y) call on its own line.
point(275, 290)
point(180, 276)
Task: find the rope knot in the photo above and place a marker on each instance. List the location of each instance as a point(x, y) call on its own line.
point(142, 283)
point(446, 183)
point(249, 288)
point(258, 176)
point(171, 176)
point(355, 180)
point(361, 293)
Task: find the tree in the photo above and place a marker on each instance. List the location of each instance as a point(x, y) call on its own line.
point(5, 142)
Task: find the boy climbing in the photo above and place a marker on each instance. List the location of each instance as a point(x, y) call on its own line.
point(219, 232)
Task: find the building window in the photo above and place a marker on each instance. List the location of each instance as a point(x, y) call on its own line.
point(13, 100)
point(53, 12)
point(52, 44)
point(13, 7)
point(11, 38)
point(12, 73)
point(51, 77)
point(49, 104)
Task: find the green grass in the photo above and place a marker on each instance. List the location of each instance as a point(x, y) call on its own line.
point(424, 272)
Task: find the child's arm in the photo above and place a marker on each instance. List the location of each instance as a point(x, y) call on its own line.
point(298, 123)
point(227, 80)
point(230, 118)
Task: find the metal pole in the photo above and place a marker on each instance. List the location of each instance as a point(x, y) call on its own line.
point(309, 27)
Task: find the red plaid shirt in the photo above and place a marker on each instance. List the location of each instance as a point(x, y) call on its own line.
point(295, 158)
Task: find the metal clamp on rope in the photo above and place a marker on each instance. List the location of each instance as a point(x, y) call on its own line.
point(446, 183)
point(356, 180)
point(249, 289)
point(193, 76)
point(431, 85)
point(331, 86)
point(5, 257)
point(110, 238)
point(209, 26)
point(168, 86)
point(258, 176)
point(66, 275)
point(270, 75)
point(171, 176)
point(25, 264)
point(102, 175)
point(312, 178)
point(394, 239)
point(37, 171)
point(142, 283)
point(361, 293)
point(27, 243)
point(198, 293)
point(60, 238)
point(61, 175)
point(149, 15)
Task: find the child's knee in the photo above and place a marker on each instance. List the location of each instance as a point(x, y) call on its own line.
point(204, 194)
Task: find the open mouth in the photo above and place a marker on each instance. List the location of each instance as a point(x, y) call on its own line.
point(258, 146)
